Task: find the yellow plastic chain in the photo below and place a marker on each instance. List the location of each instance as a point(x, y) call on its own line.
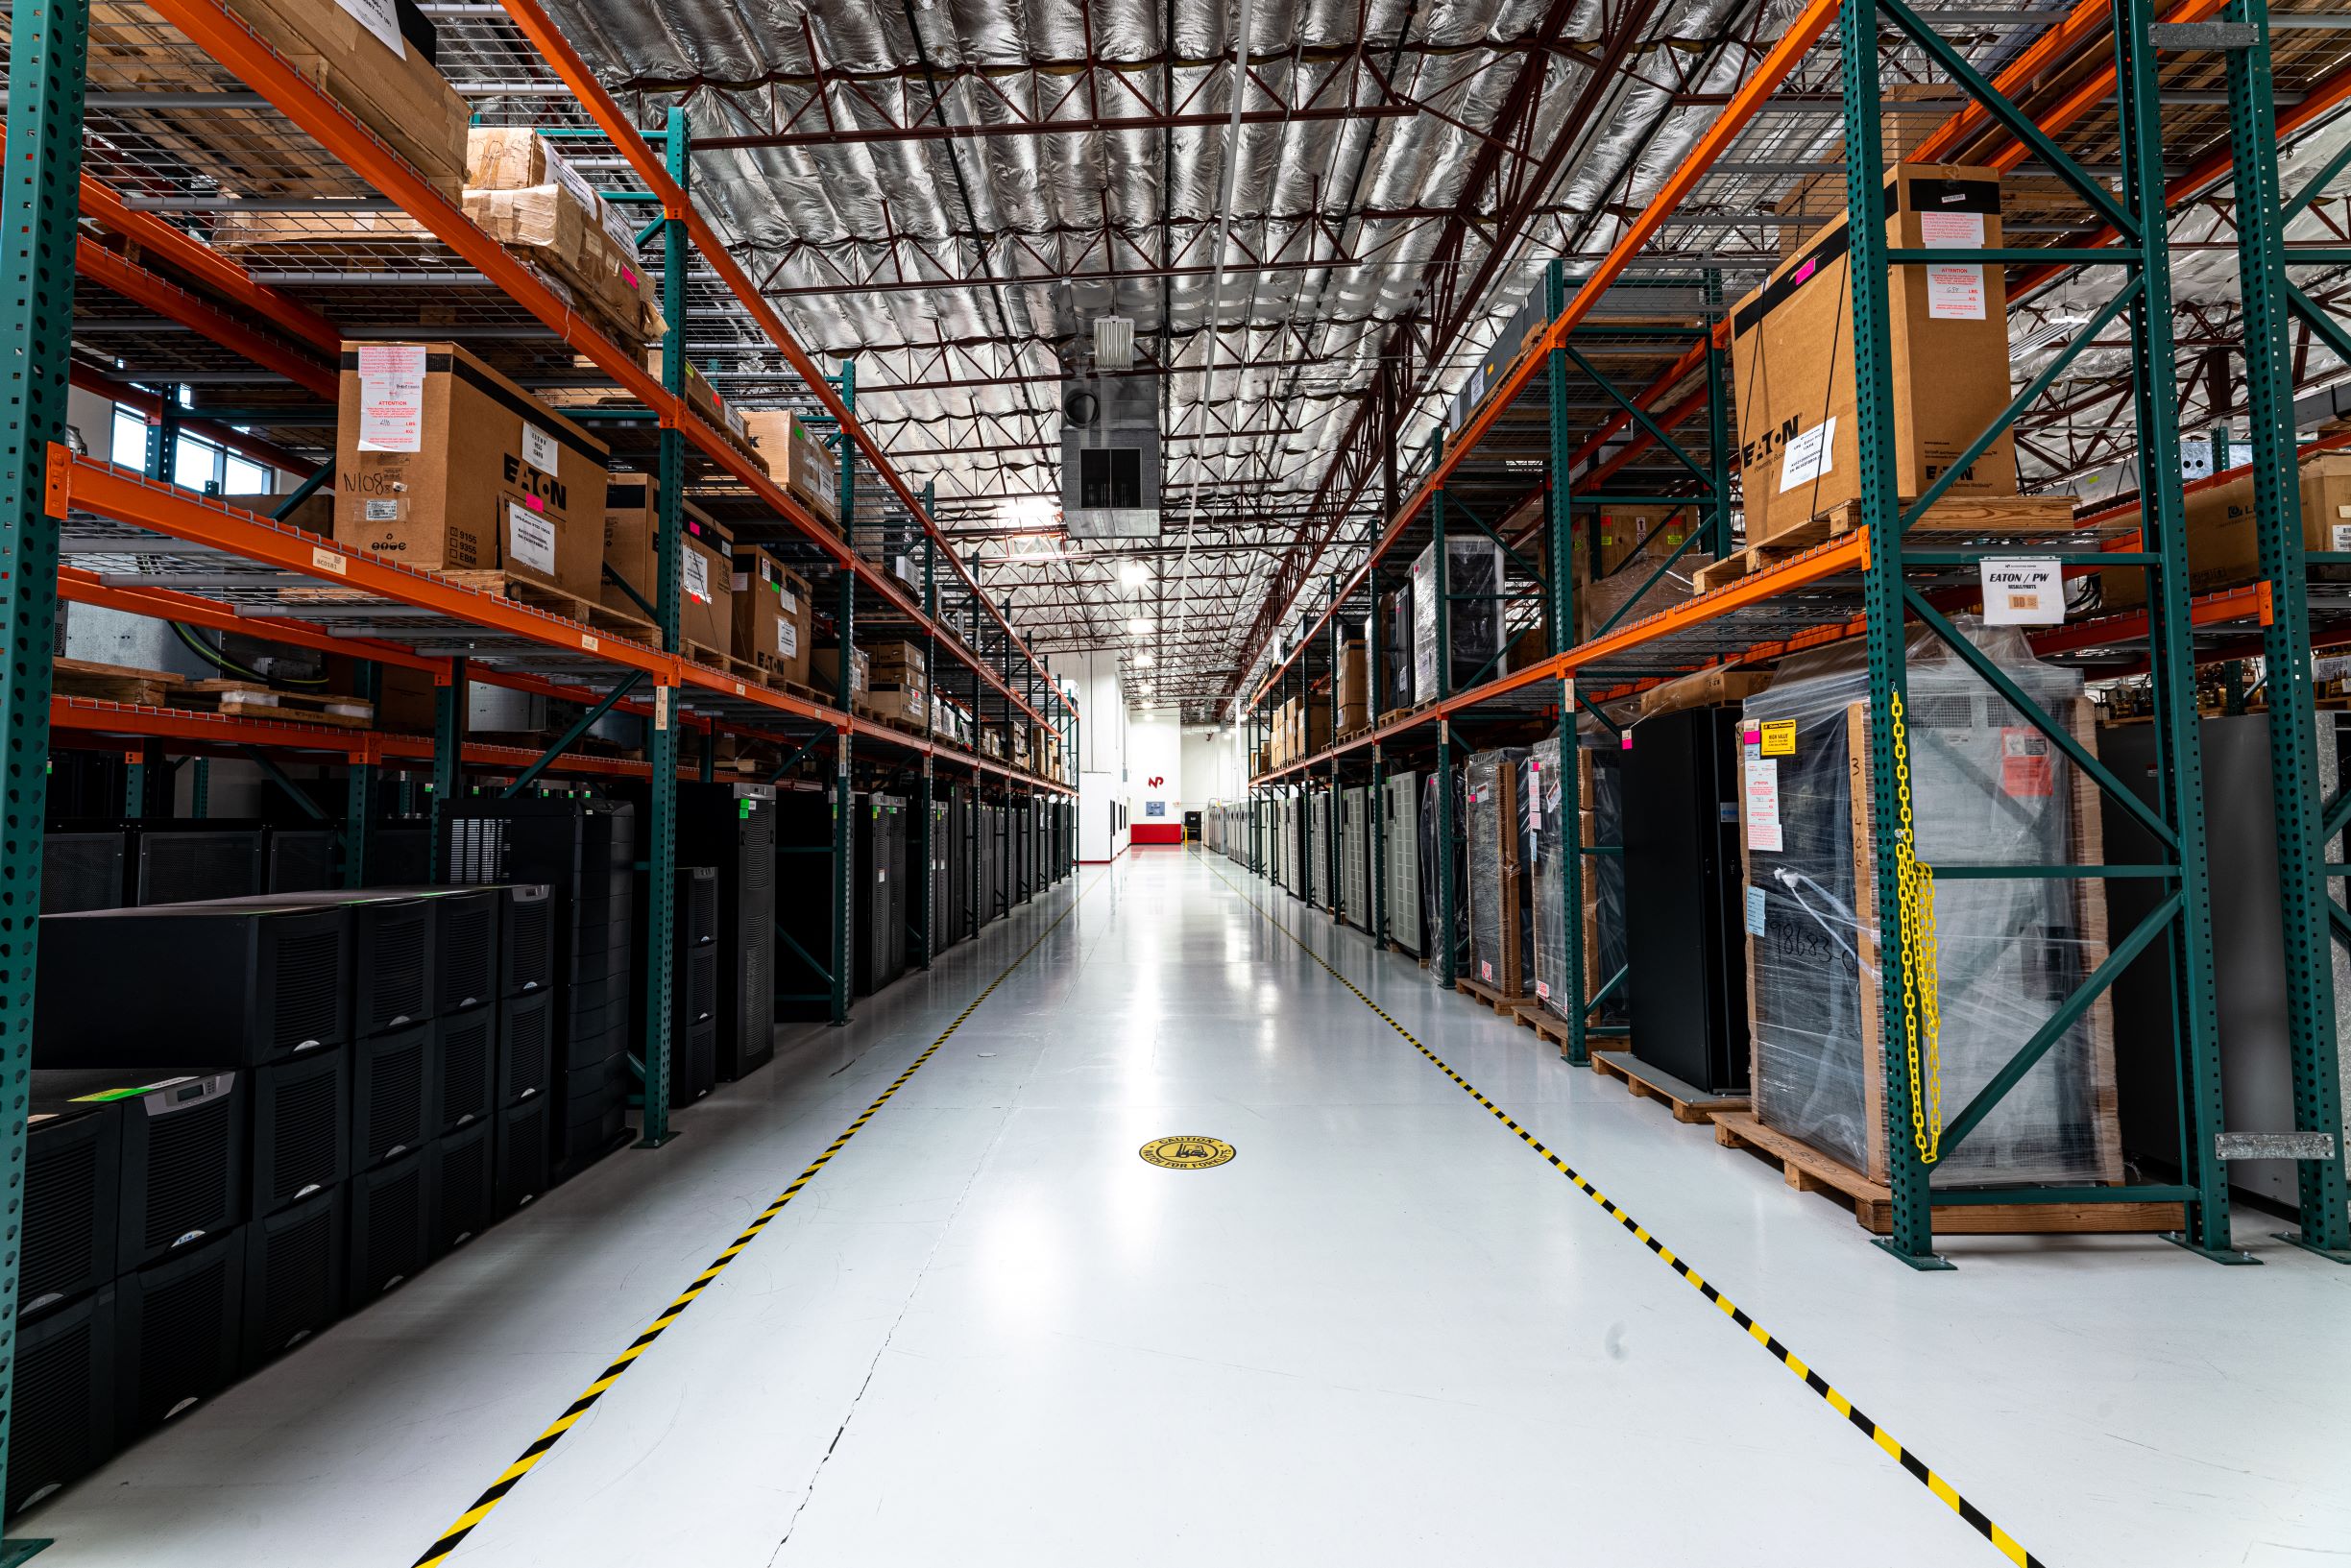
point(1922, 980)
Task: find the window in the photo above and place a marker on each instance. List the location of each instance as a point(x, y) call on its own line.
point(199, 465)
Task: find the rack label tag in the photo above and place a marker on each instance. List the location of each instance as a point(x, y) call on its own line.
point(2023, 591)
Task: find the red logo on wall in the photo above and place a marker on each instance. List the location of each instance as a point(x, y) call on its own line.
point(1155, 781)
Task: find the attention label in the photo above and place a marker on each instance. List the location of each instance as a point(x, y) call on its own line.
point(1186, 1151)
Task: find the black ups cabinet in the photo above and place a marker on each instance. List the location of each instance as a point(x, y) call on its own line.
point(85, 866)
point(178, 1329)
point(183, 860)
point(395, 946)
point(1684, 921)
point(303, 859)
point(62, 1398)
point(123, 1170)
point(731, 829)
point(993, 901)
point(877, 830)
point(950, 867)
point(191, 986)
point(584, 850)
point(805, 891)
point(693, 982)
point(294, 1272)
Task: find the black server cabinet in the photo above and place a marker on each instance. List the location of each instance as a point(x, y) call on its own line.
point(300, 1128)
point(294, 1271)
point(526, 939)
point(464, 1067)
point(584, 850)
point(84, 868)
point(732, 827)
point(178, 861)
point(520, 1148)
point(192, 987)
point(462, 1198)
point(694, 983)
point(390, 1227)
point(466, 945)
point(1684, 902)
point(525, 1048)
point(179, 1331)
point(73, 1195)
point(878, 931)
point(302, 859)
point(804, 899)
point(401, 856)
point(1020, 872)
point(394, 1101)
point(62, 1398)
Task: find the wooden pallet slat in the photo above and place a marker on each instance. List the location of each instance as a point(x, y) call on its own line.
point(1643, 1082)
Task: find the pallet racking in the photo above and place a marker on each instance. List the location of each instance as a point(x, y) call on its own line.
point(109, 286)
point(1560, 436)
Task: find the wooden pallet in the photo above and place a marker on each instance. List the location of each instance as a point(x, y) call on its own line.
point(112, 682)
point(592, 613)
point(1984, 517)
point(1507, 1005)
point(1687, 1100)
point(249, 699)
point(1808, 1171)
point(742, 670)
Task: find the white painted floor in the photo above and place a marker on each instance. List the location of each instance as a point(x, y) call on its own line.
point(1387, 1333)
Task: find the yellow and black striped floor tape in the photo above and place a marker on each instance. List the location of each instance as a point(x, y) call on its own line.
point(483, 1506)
point(1918, 1469)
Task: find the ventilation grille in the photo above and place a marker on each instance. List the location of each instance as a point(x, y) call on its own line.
point(476, 852)
point(701, 999)
point(466, 1066)
point(469, 954)
point(299, 1289)
point(464, 1193)
point(306, 1116)
point(188, 1159)
point(759, 841)
point(81, 871)
point(184, 1327)
point(530, 936)
point(53, 1431)
point(386, 1240)
point(529, 1036)
point(308, 997)
point(302, 861)
point(61, 1220)
point(397, 951)
point(175, 867)
point(701, 910)
point(758, 990)
point(521, 1157)
point(395, 1090)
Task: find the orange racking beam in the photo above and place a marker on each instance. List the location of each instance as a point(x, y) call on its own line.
point(164, 604)
point(227, 40)
point(565, 61)
point(113, 270)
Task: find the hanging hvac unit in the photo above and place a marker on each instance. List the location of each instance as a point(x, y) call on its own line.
point(1110, 457)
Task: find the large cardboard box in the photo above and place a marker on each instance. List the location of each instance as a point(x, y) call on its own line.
point(360, 56)
point(2223, 549)
point(896, 664)
point(826, 667)
point(553, 226)
point(899, 702)
point(1621, 531)
point(1354, 689)
point(774, 618)
point(1792, 358)
point(797, 459)
point(442, 462)
point(706, 584)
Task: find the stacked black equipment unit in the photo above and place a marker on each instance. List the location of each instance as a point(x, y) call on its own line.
point(731, 829)
point(195, 987)
point(177, 860)
point(1020, 872)
point(178, 1333)
point(294, 1274)
point(61, 1397)
point(993, 886)
point(85, 866)
point(878, 931)
point(302, 859)
point(804, 882)
point(525, 986)
point(694, 983)
point(401, 856)
point(1685, 904)
point(462, 1202)
point(584, 850)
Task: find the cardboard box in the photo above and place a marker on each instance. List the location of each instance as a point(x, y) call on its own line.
point(442, 462)
point(1792, 358)
point(898, 702)
point(2223, 550)
point(1354, 668)
point(404, 701)
point(561, 231)
point(825, 666)
point(774, 616)
point(896, 664)
point(797, 459)
point(1624, 530)
point(1317, 728)
point(1709, 688)
point(1629, 585)
point(706, 584)
point(383, 77)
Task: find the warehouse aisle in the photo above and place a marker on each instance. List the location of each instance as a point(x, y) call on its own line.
point(1385, 1332)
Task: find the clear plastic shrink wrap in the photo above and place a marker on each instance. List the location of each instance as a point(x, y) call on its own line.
point(1500, 942)
point(1986, 788)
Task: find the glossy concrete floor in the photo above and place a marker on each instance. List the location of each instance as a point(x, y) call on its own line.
point(1386, 1333)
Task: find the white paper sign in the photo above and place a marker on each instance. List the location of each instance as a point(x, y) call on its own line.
point(1951, 230)
point(530, 539)
point(792, 600)
point(788, 636)
point(539, 448)
point(1956, 291)
point(1763, 790)
point(2341, 536)
point(697, 577)
point(379, 17)
point(2023, 591)
point(1810, 456)
point(392, 398)
point(1755, 911)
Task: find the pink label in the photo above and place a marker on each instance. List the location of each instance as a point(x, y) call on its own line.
point(534, 503)
point(1806, 271)
point(630, 275)
point(1624, 742)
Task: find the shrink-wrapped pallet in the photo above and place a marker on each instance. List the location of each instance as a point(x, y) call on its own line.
point(1987, 789)
point(1501, 941)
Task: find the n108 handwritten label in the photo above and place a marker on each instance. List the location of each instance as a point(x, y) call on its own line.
point(2023, 591)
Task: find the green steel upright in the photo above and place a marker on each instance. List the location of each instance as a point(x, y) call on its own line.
point(39, 192)
point(662, 751)
point(1559, 548)
point(928, 946)
point(2307, 941)
point(844, 857)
